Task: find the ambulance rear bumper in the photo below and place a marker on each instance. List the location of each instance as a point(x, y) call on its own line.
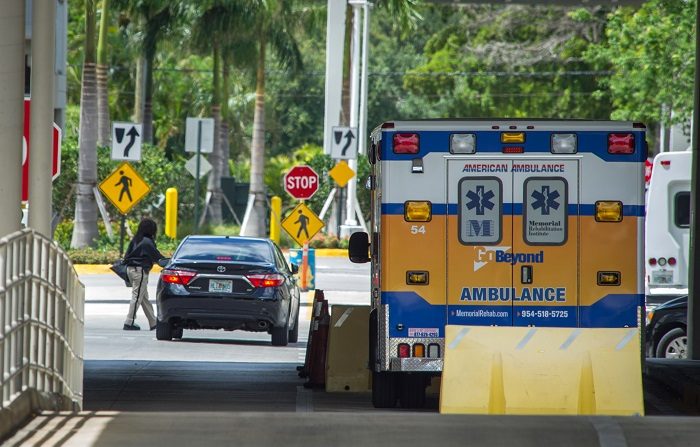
point(415, 364)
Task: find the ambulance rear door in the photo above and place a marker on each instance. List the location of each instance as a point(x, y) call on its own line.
point(479, 226)
point(545, 251)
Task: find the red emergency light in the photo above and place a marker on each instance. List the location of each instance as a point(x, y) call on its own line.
point(621, 143)
point(406, 143)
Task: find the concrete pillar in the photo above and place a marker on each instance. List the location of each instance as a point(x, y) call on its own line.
point(11, 111)
point(41, 130)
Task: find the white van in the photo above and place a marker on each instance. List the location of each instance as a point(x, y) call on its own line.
point(668, 224)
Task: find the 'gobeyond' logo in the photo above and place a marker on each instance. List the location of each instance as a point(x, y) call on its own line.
point(484, 255)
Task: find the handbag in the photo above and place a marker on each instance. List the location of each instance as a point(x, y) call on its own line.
point(119, 267)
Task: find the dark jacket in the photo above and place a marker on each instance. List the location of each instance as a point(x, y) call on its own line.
point(144, 254)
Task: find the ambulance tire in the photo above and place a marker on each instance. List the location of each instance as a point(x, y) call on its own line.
point(178, 333)
point(384, 392)
point(412, 390)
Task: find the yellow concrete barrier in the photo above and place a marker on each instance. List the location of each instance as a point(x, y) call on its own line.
point(348, 349)
point(528, 370)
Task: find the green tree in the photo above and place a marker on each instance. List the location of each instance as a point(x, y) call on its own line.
point(85, 229)
point(274, 26)
point(509, 61)
point(103, 121)
point(651, 54)
point(220, 29)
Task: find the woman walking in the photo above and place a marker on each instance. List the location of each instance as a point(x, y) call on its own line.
point(139, 259)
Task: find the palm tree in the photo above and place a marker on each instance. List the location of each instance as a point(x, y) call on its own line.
point(274, 27)
point(103, 121)
point(155, 18)
point(85, 226)
point(220, 29)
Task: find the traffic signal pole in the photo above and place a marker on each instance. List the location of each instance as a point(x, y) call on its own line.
point(11, 106)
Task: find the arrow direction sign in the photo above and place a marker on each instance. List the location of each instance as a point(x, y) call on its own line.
point(344, 143)
point(126, 141)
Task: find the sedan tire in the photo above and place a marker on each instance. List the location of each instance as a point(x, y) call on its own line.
point(673, 345)
point(164, 331)
point(280, 335)
point(294, 333)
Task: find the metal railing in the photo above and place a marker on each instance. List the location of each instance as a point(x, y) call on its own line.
point(41, 318)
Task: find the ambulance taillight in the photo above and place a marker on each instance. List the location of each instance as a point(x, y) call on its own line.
point(671, 261)
point(419, 350)
point(433, 351)
point(404, 350)
point(621, 143)
point(406, 143)
point(652, 261)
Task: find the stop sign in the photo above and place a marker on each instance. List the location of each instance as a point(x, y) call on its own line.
point(301, 182)
point(55, 150)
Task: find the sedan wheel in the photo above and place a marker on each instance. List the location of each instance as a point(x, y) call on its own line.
point(280, 335)
point(673, 345)
point(164, 331)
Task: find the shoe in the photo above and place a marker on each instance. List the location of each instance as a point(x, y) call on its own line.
point(153, 328)
point(131, 327)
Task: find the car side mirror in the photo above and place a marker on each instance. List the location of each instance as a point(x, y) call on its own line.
point(295, 269)
point(358, 248)
point(163, 262)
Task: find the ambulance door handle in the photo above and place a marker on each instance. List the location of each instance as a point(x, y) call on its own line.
point(526, 274)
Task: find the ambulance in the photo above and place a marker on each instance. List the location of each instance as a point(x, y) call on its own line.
point(497, 222)
point(668, 226)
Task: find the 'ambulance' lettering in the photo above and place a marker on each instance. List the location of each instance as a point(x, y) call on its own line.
point(532, 294)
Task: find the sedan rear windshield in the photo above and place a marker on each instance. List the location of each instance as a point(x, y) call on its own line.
point(237, 250)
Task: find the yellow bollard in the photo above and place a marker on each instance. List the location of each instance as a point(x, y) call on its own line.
point(171, 212)
point(275, 218)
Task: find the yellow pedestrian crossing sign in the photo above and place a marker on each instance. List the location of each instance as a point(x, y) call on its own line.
point(124, 187)
point(302, 224)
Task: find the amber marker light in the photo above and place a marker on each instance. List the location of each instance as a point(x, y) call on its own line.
point(512, 137)
point(417, 211)
point(608, 278)
point(608, 211)
point(414, 277)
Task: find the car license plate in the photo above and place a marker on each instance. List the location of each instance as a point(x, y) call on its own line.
point(662, 277)
point(220, 285)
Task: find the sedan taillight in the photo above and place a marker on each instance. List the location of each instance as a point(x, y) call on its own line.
point(175, 276)
point(271, 280)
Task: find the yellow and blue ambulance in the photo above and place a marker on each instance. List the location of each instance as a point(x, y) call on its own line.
point(497, 222)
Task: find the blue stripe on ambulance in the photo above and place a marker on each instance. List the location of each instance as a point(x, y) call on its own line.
point(489, 141)
point(439, 209)
point(410, 310)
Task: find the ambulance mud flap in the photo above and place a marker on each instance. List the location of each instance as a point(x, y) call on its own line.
point(528, 370)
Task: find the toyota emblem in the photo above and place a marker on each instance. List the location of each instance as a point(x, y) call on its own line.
point(221, 269)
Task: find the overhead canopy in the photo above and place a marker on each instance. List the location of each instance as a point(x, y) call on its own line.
point(549, 2)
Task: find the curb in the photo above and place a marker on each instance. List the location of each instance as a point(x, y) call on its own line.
point(93, 269)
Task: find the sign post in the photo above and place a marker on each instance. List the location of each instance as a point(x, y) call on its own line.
point(301, 182)
point(124, 187)
point(199, 138)
point(55, 150)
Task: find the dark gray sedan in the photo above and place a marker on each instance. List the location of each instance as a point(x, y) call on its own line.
point(230, 283)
